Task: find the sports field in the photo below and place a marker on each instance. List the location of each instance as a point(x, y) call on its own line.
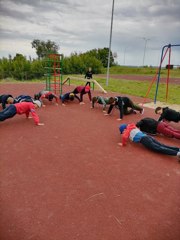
point(70, 180)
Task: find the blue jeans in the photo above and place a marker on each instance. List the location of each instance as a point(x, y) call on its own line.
point(152, 144)
point(8, 112)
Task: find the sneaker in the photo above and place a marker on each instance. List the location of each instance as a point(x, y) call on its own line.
point(142, 111)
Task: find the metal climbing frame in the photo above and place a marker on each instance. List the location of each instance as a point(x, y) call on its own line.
point(158, 72)
point(167, 47)
point(54, 73)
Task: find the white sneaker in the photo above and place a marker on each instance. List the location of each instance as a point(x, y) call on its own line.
point(178, 156)
point(142, 111)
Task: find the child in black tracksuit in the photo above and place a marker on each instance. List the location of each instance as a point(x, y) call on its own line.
point(123, 103)
point(88, 75)
point(167, 114)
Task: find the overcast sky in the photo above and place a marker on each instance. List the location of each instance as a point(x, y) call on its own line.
point(82, 25)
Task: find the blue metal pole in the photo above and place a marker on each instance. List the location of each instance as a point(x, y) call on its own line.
point(159, 72)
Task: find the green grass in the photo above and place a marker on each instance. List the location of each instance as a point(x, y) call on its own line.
point(137, 88)
point(11, 80)
point(131, 87)
point(150, 71)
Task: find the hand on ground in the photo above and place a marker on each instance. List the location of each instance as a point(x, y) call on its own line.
point(81, 103)
point(119, 119)
point(40, 124)
point(120, 144)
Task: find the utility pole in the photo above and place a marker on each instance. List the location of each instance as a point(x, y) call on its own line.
point(145, 44)
point(107, 78)
point(125, 49)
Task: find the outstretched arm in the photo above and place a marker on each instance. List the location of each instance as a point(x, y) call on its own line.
point(4, 99)
point(3, 104)
point(81, 96)
point(77, 97)
point(89, 94)
point(56, 98)
point(120, 105)
point(110, 108)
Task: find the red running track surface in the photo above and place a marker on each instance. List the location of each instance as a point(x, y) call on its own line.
point(69, 180)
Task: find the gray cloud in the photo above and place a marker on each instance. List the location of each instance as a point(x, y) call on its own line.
point(78, 26)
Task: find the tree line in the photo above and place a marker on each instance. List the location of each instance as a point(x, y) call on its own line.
point(21, 68)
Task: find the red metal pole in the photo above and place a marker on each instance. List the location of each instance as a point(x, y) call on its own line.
point(154, 78)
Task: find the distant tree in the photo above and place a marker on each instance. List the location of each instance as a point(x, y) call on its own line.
point(6, 68)
point(102, 55)
point(3, 67)
point(37, 68)
point(21, 67)
point(93, 62)
point(78, 64)
point(10, 58)
point(43, 48)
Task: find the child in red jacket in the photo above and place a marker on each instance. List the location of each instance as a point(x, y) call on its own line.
point(22, 108)
point(130, 131)
point(82, 90)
